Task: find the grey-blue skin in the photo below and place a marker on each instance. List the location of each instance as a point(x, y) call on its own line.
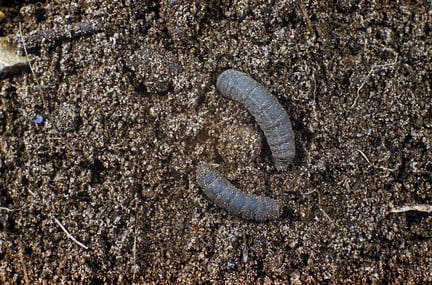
point(248, 206)
point(268, 113)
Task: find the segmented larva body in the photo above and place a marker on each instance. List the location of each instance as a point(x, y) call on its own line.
point(248, 206)
point(266, 109)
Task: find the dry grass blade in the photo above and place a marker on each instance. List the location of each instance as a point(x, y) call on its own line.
point(69, 235)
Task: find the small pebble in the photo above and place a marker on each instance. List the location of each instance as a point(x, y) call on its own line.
point(38, 119)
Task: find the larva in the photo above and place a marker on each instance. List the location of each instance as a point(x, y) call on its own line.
point(248, 206)
point(266, 109)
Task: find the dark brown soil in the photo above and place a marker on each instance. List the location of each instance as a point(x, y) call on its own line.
point(129, 106)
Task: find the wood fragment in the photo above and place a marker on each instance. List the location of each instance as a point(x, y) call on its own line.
point(10, 61)
point(418, 207)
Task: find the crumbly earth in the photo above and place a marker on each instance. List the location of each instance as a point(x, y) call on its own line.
point(126, 90)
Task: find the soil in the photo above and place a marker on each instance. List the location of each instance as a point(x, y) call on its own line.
point(101, 144)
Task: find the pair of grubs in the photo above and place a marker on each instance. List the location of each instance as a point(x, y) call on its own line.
point(276, 125)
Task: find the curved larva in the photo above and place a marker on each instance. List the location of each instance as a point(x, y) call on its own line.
point(266, 109)
point(248, 206)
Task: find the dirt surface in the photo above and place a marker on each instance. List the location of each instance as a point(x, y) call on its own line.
point(104, 142)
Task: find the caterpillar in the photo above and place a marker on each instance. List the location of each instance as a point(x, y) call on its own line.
point(220, 191)
point(268, 113)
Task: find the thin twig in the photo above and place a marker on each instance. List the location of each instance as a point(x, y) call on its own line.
point(364, 155)
point(134, 246)
point(31, 192)
point(314, 97)
point(389, 169)
point(419, 207)
point(69, 235)
point(306, 16)
point(30, 65)
point(310, 192)
point(319, 205)
point(324, 212)
point(6, 209)
point(26, 279)
point(245, 249)
point(373, 68)
point(378, 166)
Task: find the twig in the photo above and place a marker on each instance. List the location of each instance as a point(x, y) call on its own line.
point(319, 205)
point(31, 192)
point(373, 68)
point(30, 65)
point(390, 169)
point(306, 16)
point(419, 207)
point(314, 97)
point(6, 209)
point(364, 156)
point(69, 235)
point(134, 246)
point(310, 192)
point(245, 249)
point(325, 214)
point(344, 182)
point(68, 32)
point(26, 279)
point(374, 165)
